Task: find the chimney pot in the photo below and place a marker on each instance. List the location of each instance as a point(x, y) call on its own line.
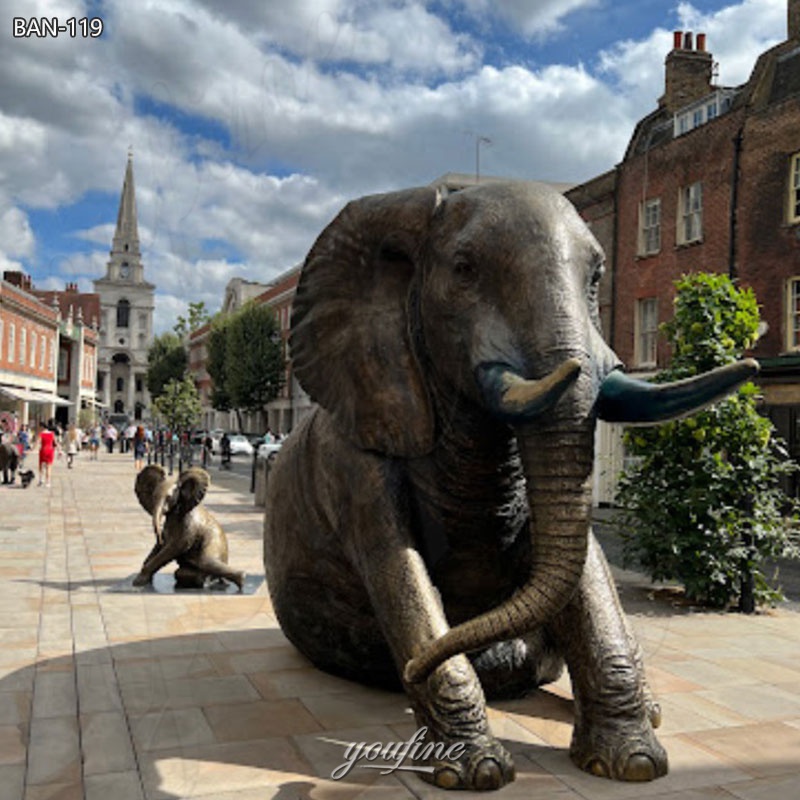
point(701, 42)
point(677, 40)
point(688, 73)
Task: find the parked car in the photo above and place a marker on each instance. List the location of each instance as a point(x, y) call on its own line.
point(240, 445)
point(269, 450)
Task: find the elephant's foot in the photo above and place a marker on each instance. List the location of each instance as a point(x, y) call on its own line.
point(461, 751)
point(613, 735)
point(142, 579)
point(479, 765)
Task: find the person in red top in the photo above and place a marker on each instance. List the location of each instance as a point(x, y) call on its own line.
point(48, 445)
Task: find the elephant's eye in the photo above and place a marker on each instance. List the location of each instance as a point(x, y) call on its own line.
point(464, 269)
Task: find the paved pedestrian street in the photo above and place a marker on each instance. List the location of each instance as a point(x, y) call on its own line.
point(106, 692)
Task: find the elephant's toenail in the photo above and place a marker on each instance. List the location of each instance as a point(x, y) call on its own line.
point(447, 778)
point(488, 775)
point(639, 768)
point(655, 715)
point(598, 768)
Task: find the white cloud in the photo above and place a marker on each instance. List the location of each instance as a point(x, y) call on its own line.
point(736, 36)
point(86, 265)
point(295, 112)
point(534, 20)
point(16, 236)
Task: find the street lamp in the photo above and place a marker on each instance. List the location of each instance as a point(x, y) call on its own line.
point(479, 140)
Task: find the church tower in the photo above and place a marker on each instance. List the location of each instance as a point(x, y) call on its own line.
point(126, 309)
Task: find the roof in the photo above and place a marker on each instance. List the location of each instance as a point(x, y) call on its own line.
point(70, 302)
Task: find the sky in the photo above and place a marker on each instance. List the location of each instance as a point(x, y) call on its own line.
point(252, 122)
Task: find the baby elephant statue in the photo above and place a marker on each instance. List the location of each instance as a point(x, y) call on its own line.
point(428, 525)
point(185, 531)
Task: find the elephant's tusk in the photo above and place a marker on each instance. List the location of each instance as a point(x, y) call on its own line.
point(515, 398)
point(636, 402)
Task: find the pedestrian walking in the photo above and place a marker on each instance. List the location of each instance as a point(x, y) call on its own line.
point(111, 437)
point(139, 448)
point(48, 447)
point(72, 442)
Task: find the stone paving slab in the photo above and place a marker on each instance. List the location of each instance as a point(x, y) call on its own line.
point(107, 691)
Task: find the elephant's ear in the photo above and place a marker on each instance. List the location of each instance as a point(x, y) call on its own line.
point(190, 490)
point(351, 342)
point(148, 486)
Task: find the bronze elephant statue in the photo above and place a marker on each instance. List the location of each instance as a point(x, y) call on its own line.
point(185, 531)
point(437, 503)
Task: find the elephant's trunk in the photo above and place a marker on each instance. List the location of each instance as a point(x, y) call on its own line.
point(557, 459)
point(557, 462)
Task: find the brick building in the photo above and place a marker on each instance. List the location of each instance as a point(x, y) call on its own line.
point(283, 413)
point(710, 181)
point(48, 351)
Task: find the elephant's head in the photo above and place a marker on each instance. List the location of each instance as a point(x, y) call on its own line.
point(487, 298)
point(159, 494)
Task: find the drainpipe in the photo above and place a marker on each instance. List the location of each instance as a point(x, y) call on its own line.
point(732, 250)
point(614, 261)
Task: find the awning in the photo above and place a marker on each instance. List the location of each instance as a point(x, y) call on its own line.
point(32, 396)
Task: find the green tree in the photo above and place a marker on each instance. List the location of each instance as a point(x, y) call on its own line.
point(216, 363)
point(166, 361)
point(179, 404)
point(255, 367)
point(702, 501)
point(245, 359)
point(196, 317)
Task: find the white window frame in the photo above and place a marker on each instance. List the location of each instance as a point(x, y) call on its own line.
point(42, 351)
point(701, 111)
point(12, 341)
point(793, 201)
point(646, 332)
point(650, 226)
point(23, 347)
point(690, 213)
point(793, 313)
point(33, 349)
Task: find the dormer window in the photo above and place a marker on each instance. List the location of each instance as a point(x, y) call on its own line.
point(702, 111)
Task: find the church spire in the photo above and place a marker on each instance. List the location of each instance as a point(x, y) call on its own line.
point(125, 263)
point(127, 230)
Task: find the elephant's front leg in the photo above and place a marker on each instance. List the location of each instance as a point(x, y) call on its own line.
point(450, 704)
point(614, 711)
point(159, 557)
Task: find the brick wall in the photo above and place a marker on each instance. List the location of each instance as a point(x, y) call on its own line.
point(768, 249)
point(23, 316)
point(705, 154)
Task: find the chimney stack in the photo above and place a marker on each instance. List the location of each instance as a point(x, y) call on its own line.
point(793, 19)
point(688, 70)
